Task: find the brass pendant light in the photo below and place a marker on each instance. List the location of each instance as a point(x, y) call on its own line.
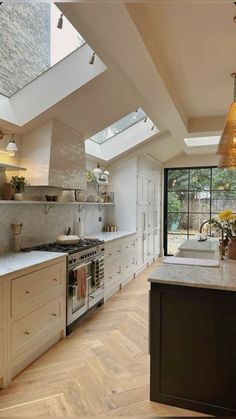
point(227, 144)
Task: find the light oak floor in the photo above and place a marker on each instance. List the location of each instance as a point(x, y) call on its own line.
point(101, 369)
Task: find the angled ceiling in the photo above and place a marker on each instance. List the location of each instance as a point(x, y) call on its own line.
point(172, 58)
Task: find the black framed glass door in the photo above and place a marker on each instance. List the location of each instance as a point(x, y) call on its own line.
point(192, 196)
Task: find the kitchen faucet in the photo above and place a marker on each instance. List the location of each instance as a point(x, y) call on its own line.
point(222, 246)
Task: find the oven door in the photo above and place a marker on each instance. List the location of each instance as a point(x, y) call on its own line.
point(77, 298)
point(96, 282)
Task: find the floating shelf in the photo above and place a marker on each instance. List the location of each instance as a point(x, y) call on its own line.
point(6, 166)
point(54, 203)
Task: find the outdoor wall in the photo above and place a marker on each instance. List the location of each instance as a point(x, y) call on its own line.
point(25, 47)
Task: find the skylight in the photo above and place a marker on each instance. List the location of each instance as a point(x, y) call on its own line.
point(31, 42)
point(202, 141)
point(119, 126)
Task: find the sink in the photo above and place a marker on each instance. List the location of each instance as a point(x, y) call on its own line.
point(195, 254)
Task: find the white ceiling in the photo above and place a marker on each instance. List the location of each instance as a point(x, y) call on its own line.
point(172, 58)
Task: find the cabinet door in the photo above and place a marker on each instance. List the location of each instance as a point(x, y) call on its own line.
point(150, 218)
point(156, 242)
point(145, 191)
point(151, 195)
point(2, 352)
point(142, 214)
point(139, 251)
point(139, 190)
point(1, 303)
point(150, 246)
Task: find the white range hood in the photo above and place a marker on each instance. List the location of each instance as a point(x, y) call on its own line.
point(54, 155)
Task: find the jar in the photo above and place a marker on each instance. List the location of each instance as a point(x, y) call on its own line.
point(232, 248)
point(7, 191)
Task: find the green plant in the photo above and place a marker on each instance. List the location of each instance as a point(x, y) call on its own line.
point(91, 176)
point(18, 183)
point(174, 210)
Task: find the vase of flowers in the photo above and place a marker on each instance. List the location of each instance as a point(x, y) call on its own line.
point(226, 222)
point(18, 184)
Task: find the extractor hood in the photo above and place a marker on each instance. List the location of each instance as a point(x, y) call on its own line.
point(54, 155)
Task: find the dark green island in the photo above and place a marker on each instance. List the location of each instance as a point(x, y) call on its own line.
point(193, 337)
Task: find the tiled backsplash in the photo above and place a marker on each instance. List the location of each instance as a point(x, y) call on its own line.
point(39, 227)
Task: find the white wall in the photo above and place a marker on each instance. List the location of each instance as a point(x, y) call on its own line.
point(185, 160)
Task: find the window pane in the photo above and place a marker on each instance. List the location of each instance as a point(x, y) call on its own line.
point(199, 201)
point(223, 179)
point(174, 241)
point(177, 201)
point(222, 200)
point(177, 223)
point(200, 179)
point(195, 222)
point(178, 180)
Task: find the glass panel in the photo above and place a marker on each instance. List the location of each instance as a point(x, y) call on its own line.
point(177, 223)
point(31, 42)
point(200, 179)
point(222, 200)
point(195, 222)
point(223, 179)
point(174, 241)
point(177, 201)
point(178, 179)
point(199, 201)
point(119, 126)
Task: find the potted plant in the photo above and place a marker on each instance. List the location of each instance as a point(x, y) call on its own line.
point(226, 223)
point(18, 183)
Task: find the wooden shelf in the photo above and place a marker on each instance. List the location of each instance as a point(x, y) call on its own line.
point(6, 166)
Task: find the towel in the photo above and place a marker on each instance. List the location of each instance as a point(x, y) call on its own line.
point(80, 275)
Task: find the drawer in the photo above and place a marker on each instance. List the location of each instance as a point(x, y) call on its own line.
point(113, 276)
point(130, 245)
point(1, 303)
point(2, 349)
point(112, 251)
point(33, 329)
point(37, 288)
point(129, 267)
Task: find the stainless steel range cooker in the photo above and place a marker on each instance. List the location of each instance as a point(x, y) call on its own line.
point(88, 253)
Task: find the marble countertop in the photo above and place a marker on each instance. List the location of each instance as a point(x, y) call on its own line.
point(108, 236)
point(222, 278)
point(13, 262)
point(210, 245)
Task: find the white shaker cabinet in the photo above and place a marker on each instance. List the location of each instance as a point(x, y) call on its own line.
point(32, 315)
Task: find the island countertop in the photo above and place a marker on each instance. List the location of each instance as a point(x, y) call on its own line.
point(222, 278)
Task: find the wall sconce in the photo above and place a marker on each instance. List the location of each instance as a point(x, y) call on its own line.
point(92, 59)
point(11, 146)
point(60, 22)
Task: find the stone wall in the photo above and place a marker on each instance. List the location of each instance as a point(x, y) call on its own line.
point(25, 43)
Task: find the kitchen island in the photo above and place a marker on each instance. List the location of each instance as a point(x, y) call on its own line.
point(193, 337)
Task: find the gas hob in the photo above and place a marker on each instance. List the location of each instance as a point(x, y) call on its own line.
point(82, 245)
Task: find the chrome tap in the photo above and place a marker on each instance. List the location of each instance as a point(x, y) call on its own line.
point(221, 246)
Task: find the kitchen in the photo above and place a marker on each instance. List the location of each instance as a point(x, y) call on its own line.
point(84, 179)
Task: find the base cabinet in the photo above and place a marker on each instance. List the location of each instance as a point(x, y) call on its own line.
point(192, 348)
point(32, 314)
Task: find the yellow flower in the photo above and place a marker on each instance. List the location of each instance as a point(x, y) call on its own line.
point(226, 215)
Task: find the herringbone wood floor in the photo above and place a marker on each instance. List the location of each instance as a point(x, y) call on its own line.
point(102, 369)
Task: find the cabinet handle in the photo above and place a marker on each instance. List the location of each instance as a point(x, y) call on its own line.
point(27, 292)
point(127, 266)
point(110, 277)
point(54, 314)
point(110, 254)
point(91, 296)
point(26, 333)
point(55, 279)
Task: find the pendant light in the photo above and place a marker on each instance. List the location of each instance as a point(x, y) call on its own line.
point(227, 144)
point(11, 146)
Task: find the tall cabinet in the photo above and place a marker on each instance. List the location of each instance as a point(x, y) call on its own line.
point(137, 186)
